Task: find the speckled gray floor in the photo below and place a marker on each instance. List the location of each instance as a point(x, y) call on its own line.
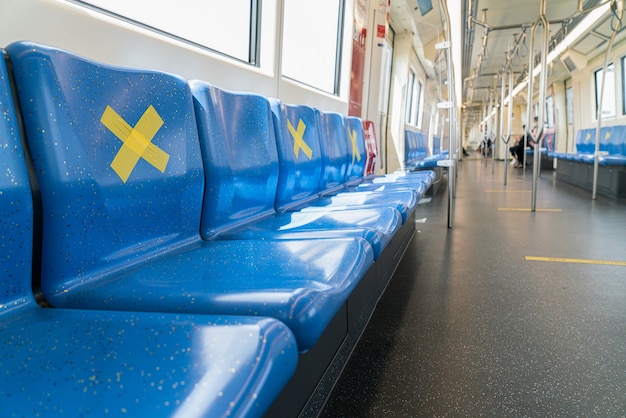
point(469, 328)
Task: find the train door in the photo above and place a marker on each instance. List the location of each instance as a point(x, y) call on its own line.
point(383, 98)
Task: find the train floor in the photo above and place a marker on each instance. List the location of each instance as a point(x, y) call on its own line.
point(508, 313)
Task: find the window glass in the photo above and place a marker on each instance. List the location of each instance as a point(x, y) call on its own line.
point(228, 27)
point(608, 100)
point(549, 112)
point(413, 100)
point(410, 98)
point(311, 42)
point(418, 107)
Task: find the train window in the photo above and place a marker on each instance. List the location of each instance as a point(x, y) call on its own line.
point(312, 35)
point(549, 111)
point(608, 98)
point(413, 100)
point(229, 27)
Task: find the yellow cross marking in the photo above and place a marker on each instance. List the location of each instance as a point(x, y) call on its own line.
point(577, 261)
point(298, 142)
point(607, 135)
point(528, 210)
point(137, 141)
point(355, 150)
point(588, 136)
point(507, 191)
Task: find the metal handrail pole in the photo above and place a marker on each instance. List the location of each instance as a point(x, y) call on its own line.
point(501, 127)
point(596, 159)
point(529, 99)
point(453, 152)
point(495, 131)
point(543, 76)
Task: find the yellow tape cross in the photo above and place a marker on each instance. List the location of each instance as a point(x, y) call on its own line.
point(528, 210)
point(298, 142)
point(137, 141)
point(577, 261)
point(355, 150)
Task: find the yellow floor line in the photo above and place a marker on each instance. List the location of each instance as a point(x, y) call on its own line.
point(528, 210)
point(507, 191)
point(577, 260)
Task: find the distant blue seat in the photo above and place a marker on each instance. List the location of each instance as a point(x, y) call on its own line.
point(242, 174)
point(338, 156)
point(418, 181)
point(417, 155)
point(304, 176)
point(577, 168)
point(64, 362)
point(612, 152)
point(120, 169)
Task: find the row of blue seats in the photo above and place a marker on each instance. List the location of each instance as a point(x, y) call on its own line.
point(196, 243)
point(417, 154)
point(612, 147)
point(547, 145)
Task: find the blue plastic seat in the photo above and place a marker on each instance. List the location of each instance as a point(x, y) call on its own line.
point(62, 362)
point(418, 181)
point(119, 164)
point(338, 159)
point(242, 171)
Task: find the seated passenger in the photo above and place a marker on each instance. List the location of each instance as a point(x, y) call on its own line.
point(513, 149)
point(520, 151)
point(485, 146)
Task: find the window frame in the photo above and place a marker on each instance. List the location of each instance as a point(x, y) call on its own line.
point(254, 25)
point(596, 74)
point(413, 114)
point(338, 56)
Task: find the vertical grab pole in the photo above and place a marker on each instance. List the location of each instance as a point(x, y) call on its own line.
point(510, 112)
point(452, 115)
point(529, 100)
point(490, 125)
point(496, 126)
point(543, 76)
point(509, 116)
point(505, 140)
point(596, 159)
point(483, 155)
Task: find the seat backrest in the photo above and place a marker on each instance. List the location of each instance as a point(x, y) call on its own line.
point(238, 144)
point(16, 207)
point(299, 154)
point(422, 146)
point(410, 146)
point(606, 132)
point(369, 134)
point(549, 137)
point(358, 153)
point(333, 138)
point(585, 140)
point(436, 145)
point(615, 144)
point(118, 161)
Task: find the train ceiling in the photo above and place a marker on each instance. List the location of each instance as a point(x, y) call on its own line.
point(493, 27)
point(502, 22)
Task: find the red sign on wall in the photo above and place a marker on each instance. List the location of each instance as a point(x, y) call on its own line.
point(380, 31)
point(358, 57)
